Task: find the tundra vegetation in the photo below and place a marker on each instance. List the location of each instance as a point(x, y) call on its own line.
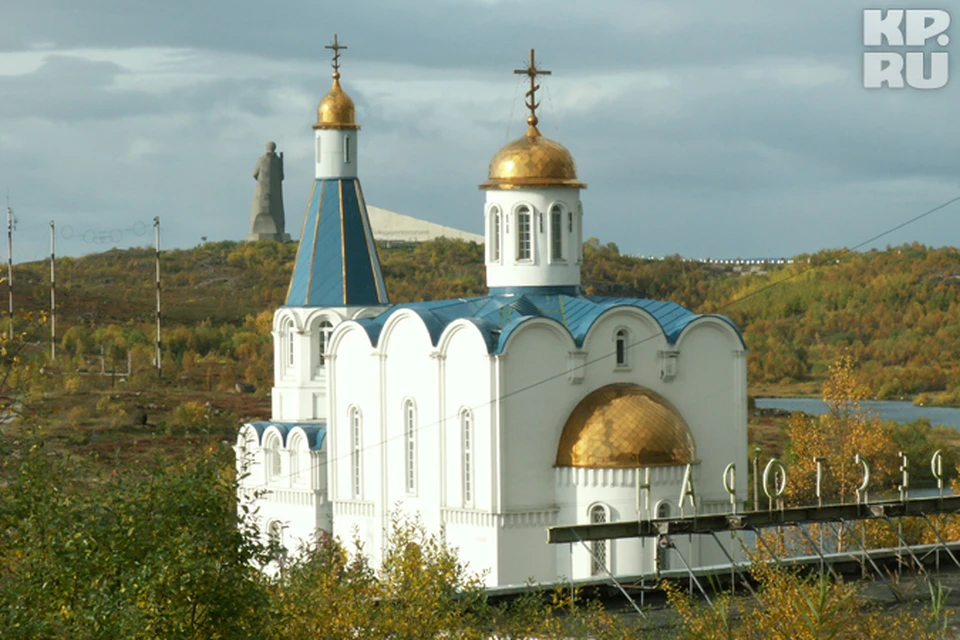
point(118, 508)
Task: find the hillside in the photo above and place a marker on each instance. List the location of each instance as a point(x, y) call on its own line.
point(897, 311)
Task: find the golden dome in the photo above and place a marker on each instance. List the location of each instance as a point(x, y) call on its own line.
point(532, 160)
point(336, 110)
point(625, 425)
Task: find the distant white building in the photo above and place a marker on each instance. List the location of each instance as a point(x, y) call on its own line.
point(389, 226)
point(491, 417)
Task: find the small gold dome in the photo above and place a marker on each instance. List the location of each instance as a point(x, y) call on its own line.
point(336, 110)
point(625, 425)
point(532, 161)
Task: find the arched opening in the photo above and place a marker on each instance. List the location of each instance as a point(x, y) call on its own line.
point(410, 444)
point(524, 233)
point(495, 234)
point(346, 149)
point(356, 450)
point(556, 233)
point(271, 452)
point(621, 340)
point(663, 553)
point(466, 430)
point(598, 548)
point(323, 335)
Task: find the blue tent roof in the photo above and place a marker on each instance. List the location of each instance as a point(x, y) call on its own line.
point(497, 316)
point(337, 263)
point(316, 431)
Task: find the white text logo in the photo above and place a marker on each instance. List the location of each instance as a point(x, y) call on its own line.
point(898, 31)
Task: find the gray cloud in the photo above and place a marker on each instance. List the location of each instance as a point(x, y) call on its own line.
point(721, 129)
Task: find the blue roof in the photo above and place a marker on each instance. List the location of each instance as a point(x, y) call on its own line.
point(497, 316)
point(316, 431)
point(337, 263)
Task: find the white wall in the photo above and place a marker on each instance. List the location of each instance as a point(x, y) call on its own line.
point(329, 150)
point(541, 270)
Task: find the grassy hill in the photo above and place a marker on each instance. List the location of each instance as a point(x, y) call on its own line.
point(897, 311)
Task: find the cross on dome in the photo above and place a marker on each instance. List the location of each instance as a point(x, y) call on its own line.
point(336, 46)
point(532, 72)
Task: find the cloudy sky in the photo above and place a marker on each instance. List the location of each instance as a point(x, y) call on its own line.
point(703, 128)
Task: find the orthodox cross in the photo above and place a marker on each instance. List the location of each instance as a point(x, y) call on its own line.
point(531, 103)
point(336, 46)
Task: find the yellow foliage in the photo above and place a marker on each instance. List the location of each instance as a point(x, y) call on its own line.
point(837, 437)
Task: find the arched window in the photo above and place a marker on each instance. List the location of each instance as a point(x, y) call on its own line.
point(291, 347)
point(410, 445)
point(323, 334)
point(294, 449)
point(272, 457)
point(524, 234)
point(466, 430)
point(622, 347)
point(598, 564)
point(346, 149)
point(663, 511)
point(556, 233)
point(275, 537)
point(356, 444)
point(579, 239)
point(318, 149)
point(495, 234)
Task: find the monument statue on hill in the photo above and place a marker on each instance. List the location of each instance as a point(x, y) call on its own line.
point(266, 211)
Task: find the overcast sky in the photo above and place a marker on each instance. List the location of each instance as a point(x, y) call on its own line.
point(703, 128)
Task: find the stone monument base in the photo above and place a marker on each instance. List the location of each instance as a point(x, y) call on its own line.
point(256, 237)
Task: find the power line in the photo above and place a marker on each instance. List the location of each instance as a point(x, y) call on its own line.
point(673, 314)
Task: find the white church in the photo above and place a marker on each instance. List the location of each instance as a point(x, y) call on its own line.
point(489, 418)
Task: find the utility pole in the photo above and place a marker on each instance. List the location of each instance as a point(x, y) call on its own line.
point(10, 265)
point(53, 295)
point(156, 227)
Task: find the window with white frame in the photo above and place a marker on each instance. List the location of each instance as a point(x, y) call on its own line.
point(356, 446)
point(621, 340)
point(346, 149)
point(556, 233)
point(524, 234)
point(290, 342)
point(663, 511)
point(323, 335)
point(495, 234)
point(598, 563)
point(410, 445)
point(294, 449)
point(466, 430)
point(272, 451)
point(579, 240)
point(318, 149)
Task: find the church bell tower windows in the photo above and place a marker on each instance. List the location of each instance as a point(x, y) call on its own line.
point(556, 233)
point(524, 234)
point(495, 234)
point(346, 149)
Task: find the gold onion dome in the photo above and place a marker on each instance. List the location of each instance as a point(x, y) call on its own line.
point(336, 110)
point(625, 425)
point(532, 160)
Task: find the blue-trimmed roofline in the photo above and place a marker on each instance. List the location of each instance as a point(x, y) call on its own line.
point(497, 317)
point(315, 432)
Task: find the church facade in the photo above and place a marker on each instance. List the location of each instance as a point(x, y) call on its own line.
point(488, 418)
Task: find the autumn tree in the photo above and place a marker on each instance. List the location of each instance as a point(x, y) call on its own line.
point(835, 438)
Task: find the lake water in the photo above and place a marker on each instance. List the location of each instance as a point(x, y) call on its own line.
point(898, 410)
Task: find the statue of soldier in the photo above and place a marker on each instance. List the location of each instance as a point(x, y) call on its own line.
point(266, 211)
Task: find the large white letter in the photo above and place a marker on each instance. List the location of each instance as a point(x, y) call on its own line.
point(877, 26)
